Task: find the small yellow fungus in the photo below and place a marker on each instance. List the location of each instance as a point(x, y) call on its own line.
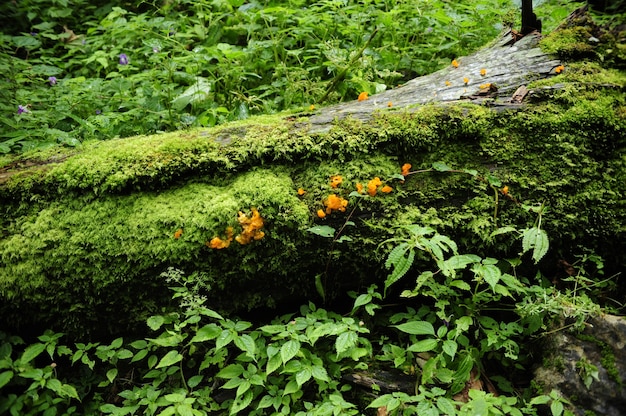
point(505, 190)
point(321, 213)
point(405, 169)
point(178, 233)
point(334, 202)
point(373, 185)
point(559, 69)
point(483, 72)
point(363, 96)
point(386, 189)
point(312, 107)
point(448, 83)
point(301, 191)
point(359, 188)
point(455, 63)
point(389, 104)
point(465, 80)
point(335, 181)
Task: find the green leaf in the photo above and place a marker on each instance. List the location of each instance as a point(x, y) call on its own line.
point(303, 376)
point(429, 344)
point(319, 286)
point(175, 397)
point(450, 347)
point(537, 240)
point(556, 407)
point(362, 299)
point(169, 359)
point(31, 352)
point(231, 371)
point(224, 339)
point(416, 328)
point(241, 403)
point(207, 333)
point(322, 230)
point(291, 387)
point(155, 322)
point(273, 363)
point(111, 374)
point(345, 341)
point(5, 377)
point(246, 344)
point(441, 167)
point(490, 273)
point(319, 373)
point(446, 406)
point(289, 350)
point(195, 381)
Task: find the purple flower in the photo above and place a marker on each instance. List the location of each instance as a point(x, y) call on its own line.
point(123, 59)
point(98, 112)
point(156, 49)
point(52, 80)
point(21, 109)
point(33, 33)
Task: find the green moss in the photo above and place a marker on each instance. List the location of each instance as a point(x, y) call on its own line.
point(569, 43)
point(608, 357)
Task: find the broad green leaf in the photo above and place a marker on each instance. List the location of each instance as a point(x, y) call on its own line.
point(362, 299)
point(231, 371)
point(291, 387)
point(424, 345)
point(155, 322)
point(246, 344)
point(319, 373)
point(195, 381)
point(68, 390)
point(450, 347)
point(345, 341)
point(224, 339)
point(273, 364)
point(537, 240)
point(556, 408)
point(207, 333)
point(241, 403)
point(169, 359)
point(31, 352)
point(416, 328)
point(490, 273)
point(303, 376)
point(5, 377)
point(265, 402)
point(446, 406)
point(289, 350)
point(243, 387)
point(175, 397)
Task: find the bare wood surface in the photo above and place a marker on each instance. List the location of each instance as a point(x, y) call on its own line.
point(507, 63)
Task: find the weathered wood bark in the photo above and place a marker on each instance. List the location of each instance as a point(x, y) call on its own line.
point(508, 64)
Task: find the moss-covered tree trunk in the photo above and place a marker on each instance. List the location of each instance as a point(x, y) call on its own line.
point(88, 233)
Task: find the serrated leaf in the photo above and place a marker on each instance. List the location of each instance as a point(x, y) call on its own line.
point(345, 341)
point(417, 328)
point(319, 373)
point(31, 352)
point(291, 387)
point(446, 406)
point(361, 300)
point(169, 359)
point(289, 350)
point(537, 240)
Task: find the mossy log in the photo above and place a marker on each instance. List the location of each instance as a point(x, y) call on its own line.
point(88, 232)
